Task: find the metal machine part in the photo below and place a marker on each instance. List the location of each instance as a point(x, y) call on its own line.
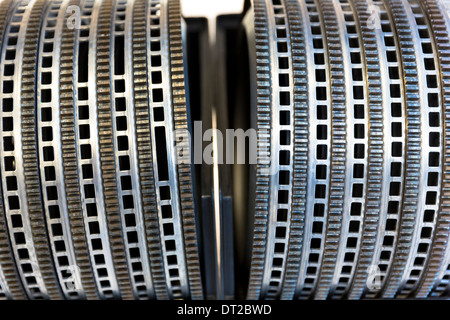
point(94, 202)
point(101, 194)
point(350, 99)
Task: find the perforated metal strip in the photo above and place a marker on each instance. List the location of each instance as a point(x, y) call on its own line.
point(181, 118)
point(262, 118)
point(379, 155)
point(436, 279)
point(431, 177)
point(422, 158)
point(357, 113)
point(300, 147)
point(127, 179)
point(319, 148)
point(144, 145)
point(67, 114)
point(166, 185)
point(50, 151)
point(10, 284)
point(86, 128)
point(20, 173)
point(337, 149)
point(105, 116)
point(280, 197)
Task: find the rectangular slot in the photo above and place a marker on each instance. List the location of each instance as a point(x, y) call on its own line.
point(161, 153)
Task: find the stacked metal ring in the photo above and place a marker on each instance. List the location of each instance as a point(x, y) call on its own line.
point(353, 95)
point(94, 204)
point(348, 199)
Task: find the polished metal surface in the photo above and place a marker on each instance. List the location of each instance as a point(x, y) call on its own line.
point(374, 213)
point(89, 215)
point(116, 177)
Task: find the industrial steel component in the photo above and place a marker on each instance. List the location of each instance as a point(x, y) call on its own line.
point(94, 203)
point(351, 107)
point(349, 196)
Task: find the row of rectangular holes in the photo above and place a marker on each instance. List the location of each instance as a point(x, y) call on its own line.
point(62, 259)
point(158, 96)
point(427, 47)
point(322, 150)
point(285, 136)
point(102, 274)
point(434, 141)
point(83, 111)
point(123, 145)
point(396, 129)
point(320, 192)
point(83, 50)
point(19, 236)
point(53, 210)
point(87, 169)
point(126, 184)
point(13, 201)
point(49, 171)
point(321, 130)
point(396, 147)
point(359, 133)
point(162, 164)
point(158, 112)
point(8, 85)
